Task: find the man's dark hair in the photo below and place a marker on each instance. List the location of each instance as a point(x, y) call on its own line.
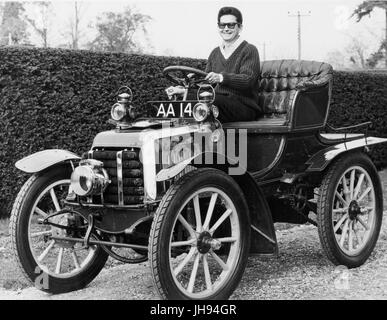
point(230, 10)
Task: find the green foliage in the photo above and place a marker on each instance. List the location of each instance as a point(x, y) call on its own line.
point(55, 98)
point(12, 24)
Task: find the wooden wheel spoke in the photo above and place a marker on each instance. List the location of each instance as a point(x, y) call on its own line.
point(207, 273)
point(224, 216)
point(197, 214)
point(364, 194)
point(59, 261)
point(45, 252)
point(339, 196)
point(75, 259)
point(219, 260)
point(183, 243)
point(362, 223)
point(359, 241)
point(182, 264)
point(345, 187)
point(41, 233)
point(194, 272)
point(227, 239)
point(344, 233)
point(340, 222)
point(210, 210)
point(55, 200)
point(350, 236)
point(352, 183)
point(340, 210)
point(187, 226)
point(358, 186)
point(366, 209)
point(40, 212)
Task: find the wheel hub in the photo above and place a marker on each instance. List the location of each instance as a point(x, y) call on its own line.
point(354, 210)
point(206, 242)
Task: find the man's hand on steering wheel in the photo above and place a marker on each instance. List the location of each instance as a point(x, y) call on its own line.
point(185, 76)
point(214, 78)
point(174, 91)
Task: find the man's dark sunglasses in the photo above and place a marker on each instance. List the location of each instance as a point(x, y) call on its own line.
point(229, 25)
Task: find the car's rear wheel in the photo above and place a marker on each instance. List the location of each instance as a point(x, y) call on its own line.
point(200, 237)
point(350, 210)
point(54, 266)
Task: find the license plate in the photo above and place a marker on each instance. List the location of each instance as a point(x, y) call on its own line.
point(174, 109)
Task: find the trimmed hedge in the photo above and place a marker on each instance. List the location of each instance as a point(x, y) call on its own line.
point(359, 97)
point(54, 98)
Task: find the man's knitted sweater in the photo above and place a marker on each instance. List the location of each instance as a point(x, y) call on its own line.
point(240, 73)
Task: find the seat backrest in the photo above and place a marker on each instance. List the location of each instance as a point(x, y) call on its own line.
point(280, 80)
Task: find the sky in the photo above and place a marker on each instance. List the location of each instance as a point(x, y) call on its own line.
point(188, 28)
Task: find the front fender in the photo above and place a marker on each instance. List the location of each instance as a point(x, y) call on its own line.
point(41, 160)
point(320, 160)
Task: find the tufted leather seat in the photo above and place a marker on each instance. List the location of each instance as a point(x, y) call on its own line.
point(280, 79)
point(281, 82)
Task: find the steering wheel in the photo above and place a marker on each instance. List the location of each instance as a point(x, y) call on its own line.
point(185, 76)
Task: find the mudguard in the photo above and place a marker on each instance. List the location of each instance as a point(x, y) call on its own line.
point(320, 160)
point(41, 160)
point(263, 237)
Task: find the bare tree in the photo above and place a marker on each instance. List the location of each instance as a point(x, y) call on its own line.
point(116, 31)
point(356, 52)
point(365, 8)
point(73, 28)
point(337, 59)
point(41, 23)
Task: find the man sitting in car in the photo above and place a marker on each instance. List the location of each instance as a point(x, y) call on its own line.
point(234, 67)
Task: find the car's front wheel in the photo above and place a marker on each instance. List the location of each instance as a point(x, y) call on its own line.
point(200, 237)
point(53, 266)
point(350, 210)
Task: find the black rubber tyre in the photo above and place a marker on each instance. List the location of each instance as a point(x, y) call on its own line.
point(165, 221)
point(344, 253)
point(20, 240)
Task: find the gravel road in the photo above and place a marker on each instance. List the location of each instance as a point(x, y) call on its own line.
point(300, 271)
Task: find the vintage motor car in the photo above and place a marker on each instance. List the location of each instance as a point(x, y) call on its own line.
point(195, 196)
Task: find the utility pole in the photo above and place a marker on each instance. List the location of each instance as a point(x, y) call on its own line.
point(299, 15)
point(76, 26)
point(385, 39)
point(263, 44)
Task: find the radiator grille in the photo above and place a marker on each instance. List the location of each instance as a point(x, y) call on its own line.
point(126, 174)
